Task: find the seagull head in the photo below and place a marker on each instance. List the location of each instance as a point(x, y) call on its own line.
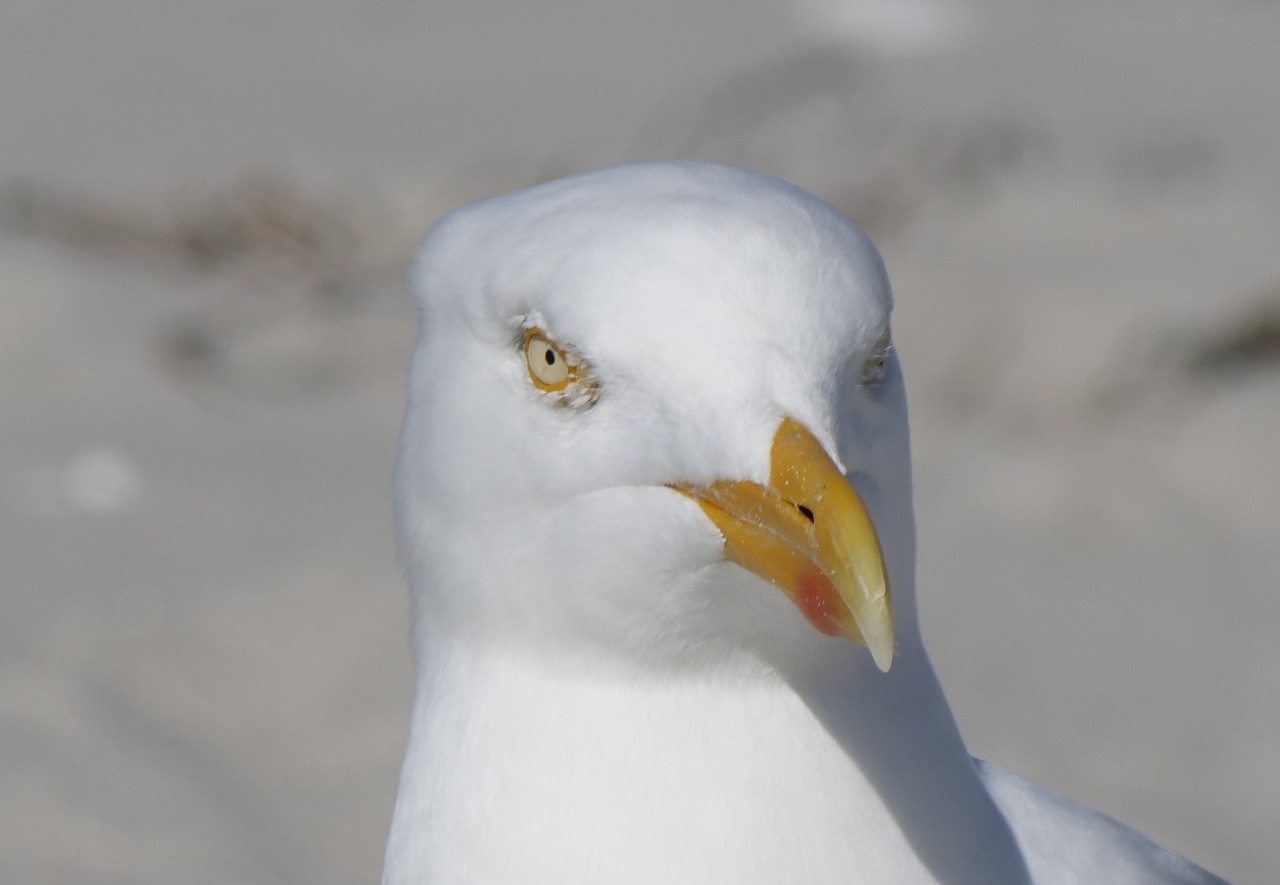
point(655, 419)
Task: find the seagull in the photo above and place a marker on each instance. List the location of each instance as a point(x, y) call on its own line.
point(654, 507)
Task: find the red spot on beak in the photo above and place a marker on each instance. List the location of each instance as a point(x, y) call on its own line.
point(819, 603)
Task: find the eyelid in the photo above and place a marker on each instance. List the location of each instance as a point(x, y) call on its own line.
point(884, 342)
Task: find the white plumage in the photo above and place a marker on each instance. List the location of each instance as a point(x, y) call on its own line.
point(602, 695)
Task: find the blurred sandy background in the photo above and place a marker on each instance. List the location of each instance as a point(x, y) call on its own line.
point(205, 214)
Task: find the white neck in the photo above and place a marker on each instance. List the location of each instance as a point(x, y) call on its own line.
point(522, 773)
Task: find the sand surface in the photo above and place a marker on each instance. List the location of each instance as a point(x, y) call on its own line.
point(205, 214)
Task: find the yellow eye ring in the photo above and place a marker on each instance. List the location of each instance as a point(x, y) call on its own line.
point(549, 370)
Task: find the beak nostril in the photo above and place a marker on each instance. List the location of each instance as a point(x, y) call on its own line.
point(805, 512)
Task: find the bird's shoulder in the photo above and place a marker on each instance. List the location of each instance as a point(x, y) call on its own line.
point(1065, 843)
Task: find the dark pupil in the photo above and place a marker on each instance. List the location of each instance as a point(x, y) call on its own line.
point(551, 357)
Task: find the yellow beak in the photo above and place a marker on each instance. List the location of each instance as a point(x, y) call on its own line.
point(809, 533)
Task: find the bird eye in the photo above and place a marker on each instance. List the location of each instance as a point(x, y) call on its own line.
point(873, 368)
point(548, 368)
